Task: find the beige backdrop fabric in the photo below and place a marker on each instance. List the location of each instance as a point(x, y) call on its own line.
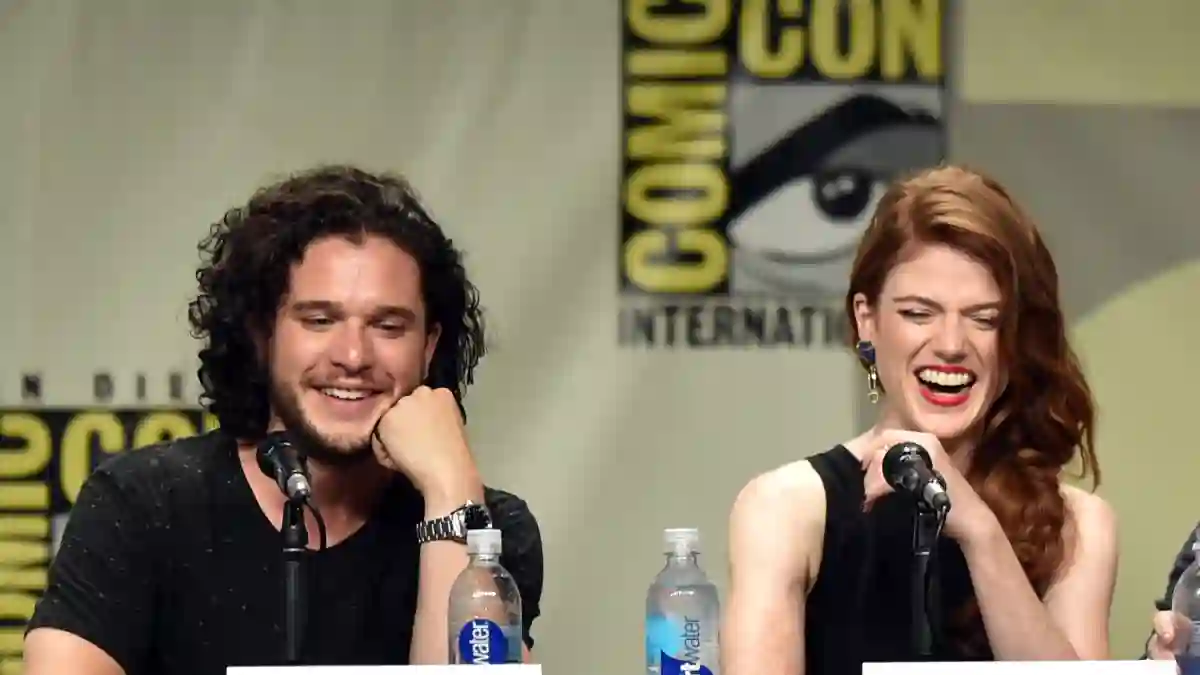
point(128, 127)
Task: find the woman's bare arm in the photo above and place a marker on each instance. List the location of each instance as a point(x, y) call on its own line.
point(776, 531)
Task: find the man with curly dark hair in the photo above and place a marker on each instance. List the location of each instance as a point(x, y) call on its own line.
point(331, 308)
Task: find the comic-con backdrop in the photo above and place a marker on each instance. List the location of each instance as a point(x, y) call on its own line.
point(757, 138)
point(46, 453)
point(657, 201)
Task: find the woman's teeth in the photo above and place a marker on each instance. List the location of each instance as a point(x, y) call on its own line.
point(942, 378)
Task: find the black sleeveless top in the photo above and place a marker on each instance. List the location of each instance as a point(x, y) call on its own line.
point(860, 607)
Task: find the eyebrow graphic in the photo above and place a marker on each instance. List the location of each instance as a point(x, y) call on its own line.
point(805, 149)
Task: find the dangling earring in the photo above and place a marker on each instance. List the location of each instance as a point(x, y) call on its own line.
point(866, 354)
point(873, 384)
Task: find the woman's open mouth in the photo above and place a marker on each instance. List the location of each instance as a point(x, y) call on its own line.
point(945, 386)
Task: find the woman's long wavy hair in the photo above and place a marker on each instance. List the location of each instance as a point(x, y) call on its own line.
point(1044, 418)
point(246, 267)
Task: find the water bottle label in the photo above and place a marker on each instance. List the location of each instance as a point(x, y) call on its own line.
point(677, 646)
point(482, 642)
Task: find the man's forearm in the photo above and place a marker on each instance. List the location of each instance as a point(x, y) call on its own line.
point(441, 563)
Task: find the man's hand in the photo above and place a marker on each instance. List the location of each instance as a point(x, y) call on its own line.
point(1171, 633)
point(422, 436)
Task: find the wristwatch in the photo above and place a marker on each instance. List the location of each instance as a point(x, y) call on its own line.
point(453, 527)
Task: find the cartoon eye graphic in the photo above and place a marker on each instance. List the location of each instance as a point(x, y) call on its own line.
point(844, 196)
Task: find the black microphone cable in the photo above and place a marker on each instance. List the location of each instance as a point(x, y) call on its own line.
point(321, 532)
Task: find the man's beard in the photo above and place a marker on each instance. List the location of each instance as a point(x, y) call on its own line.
point(319, 448)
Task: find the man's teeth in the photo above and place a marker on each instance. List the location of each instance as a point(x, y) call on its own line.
point(944, 379)
point(346, 394)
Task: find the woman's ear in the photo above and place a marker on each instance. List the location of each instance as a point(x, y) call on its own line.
point(864, 317)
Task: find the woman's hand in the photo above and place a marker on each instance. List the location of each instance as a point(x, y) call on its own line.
point(969, 516)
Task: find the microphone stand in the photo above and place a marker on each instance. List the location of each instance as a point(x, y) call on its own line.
point(295, 606)
point(927, 527)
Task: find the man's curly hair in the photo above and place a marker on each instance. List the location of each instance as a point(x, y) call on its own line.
point(246, 265)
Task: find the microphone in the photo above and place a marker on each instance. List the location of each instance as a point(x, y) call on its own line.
point(907, 467)
point(279, 459)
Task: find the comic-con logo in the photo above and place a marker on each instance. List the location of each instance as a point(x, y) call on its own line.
point(46, 455)
point(757, 139)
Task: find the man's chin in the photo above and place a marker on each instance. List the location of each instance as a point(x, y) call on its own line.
point(332, 453)
point(333, 448)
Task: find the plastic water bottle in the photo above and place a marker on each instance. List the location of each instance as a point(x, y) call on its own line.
point(682, 611)
point(485, 606)
point(1185, 602)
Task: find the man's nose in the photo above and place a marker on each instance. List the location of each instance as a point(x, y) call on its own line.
point(351, 349)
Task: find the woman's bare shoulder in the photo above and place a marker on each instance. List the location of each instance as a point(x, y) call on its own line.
point(1088, 513)
point(778, 523)
point(790, 496)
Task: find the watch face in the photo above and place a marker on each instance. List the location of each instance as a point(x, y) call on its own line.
point(477, 518)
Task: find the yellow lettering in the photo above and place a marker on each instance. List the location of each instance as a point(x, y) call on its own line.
point(888, 34)
point(860, 49)
point(211, 423)
point(644, 202)
point(678, 29)
point(756, 55)
point(18, 553)
point(676, 63)
point(16, 606)
point(911, 29)
point(75, 453)
point(24, 526)
point(12, 640)
point(34, 454)
point(25, 495)
point(159, 427)
point(32, 579)
point(694, 126)
point(676, 134)
point(12, 666)
point(661, 277)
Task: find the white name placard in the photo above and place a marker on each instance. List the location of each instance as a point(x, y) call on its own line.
point(1023, 668)
point(506, 669)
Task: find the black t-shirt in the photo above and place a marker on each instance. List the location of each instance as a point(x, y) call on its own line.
point(169, 565)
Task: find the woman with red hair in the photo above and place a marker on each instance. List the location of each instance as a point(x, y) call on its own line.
point(953, 301)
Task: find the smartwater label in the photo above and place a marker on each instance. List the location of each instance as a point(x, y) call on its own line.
point(673, 666)
point(676, 646)
point(482, 642)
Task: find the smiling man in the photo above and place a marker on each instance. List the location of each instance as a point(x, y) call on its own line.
point(332, 308)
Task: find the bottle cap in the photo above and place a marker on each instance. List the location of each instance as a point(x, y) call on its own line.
point(484, 542)
point(681, 540)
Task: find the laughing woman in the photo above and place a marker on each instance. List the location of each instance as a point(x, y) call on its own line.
point(953, 299)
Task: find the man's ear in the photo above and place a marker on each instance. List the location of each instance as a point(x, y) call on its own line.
point(260, 336)
point(864, 317)
point(431, 342)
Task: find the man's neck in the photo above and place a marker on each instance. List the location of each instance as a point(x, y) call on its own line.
point(349, 492)
point(345, 495)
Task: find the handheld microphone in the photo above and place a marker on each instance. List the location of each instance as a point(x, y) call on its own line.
point(279, 459)
point(907, 467)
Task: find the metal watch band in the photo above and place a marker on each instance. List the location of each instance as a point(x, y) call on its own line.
point(454, 526)
point(439, 529)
